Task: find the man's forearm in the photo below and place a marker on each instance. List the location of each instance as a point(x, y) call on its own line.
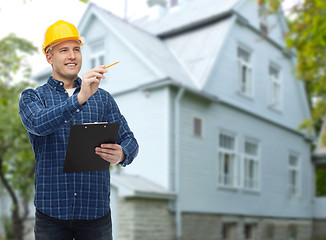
point(42, 121)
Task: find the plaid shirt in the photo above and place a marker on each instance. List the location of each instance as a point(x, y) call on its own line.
point(47, 113)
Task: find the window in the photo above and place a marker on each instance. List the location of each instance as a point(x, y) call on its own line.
point(251, 165)
point(249, 231)
point(245, 70)
point(263, 14)
point(293, 175)
point(227, 161)
point(97, 56)
point(228, 231)
point(276, 88)
point(263, 28)
point(292, 232)
point(268, 232)
point(197, 127)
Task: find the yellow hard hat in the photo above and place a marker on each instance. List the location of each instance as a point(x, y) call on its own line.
point(61, 31)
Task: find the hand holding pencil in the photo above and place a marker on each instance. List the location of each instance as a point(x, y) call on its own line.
point(91, 81)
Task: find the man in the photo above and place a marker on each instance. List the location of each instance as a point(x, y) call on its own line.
point(71, 205)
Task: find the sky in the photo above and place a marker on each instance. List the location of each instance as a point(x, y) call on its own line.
point(29, 19)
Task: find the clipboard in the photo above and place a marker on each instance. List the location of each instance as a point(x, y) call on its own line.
point(80, 154)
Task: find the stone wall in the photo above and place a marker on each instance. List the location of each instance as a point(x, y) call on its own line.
point(319, 229)
point(219, 227)
point(145, 219)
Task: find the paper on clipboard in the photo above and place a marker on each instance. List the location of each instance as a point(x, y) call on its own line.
point(83, 139)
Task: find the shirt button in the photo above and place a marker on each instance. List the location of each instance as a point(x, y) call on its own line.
point(75, 194)
point(78, 110)
point(65, 121)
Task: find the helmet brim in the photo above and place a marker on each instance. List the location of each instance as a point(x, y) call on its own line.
point(46, 48)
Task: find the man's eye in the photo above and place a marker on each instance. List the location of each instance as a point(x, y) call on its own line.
point(77, 50)
point(63, 50)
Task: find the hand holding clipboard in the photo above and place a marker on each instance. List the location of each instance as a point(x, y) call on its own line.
point(83, 139)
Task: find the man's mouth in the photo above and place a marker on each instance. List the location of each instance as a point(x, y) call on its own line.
point(71, 64)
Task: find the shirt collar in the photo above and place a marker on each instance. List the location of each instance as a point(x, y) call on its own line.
point(59, 85)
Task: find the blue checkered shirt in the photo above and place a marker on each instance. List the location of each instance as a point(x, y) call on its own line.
point(47, 113)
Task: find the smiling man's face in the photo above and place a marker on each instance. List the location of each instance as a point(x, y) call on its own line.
point(66, 61)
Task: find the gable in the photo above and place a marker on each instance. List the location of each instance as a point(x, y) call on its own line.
point(144, 57)
point(131, 70)
point(224, 78)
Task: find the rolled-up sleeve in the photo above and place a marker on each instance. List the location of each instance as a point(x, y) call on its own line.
point(42, 121)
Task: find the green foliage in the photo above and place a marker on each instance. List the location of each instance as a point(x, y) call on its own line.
point(15, 149)
point(320, 182)
point(16, 156)
point(307, 36)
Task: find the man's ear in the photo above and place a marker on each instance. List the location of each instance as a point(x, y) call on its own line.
point(49, 58)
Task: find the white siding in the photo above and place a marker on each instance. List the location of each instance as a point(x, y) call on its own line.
point(199, 189)
point(147, 115)
point(320, 207)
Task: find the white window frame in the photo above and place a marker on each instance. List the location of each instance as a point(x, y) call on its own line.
point(97, 55)
point(294, 188)
point(276, 87)
point(245, 80)
point(251, 183)
point(227, 180)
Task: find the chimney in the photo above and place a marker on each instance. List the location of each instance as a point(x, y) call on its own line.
point(156, 8)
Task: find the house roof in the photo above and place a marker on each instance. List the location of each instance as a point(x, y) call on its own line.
point(137, 186)
point(185, 59)
point(190, 14)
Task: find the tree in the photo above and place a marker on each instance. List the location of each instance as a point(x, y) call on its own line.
point(16, 155)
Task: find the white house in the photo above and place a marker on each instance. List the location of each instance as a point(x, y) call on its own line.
point(209, 89)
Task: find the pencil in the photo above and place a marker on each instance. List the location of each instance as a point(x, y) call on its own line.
point(110, 65)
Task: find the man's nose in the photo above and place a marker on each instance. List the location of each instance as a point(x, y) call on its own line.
point(72, 54)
